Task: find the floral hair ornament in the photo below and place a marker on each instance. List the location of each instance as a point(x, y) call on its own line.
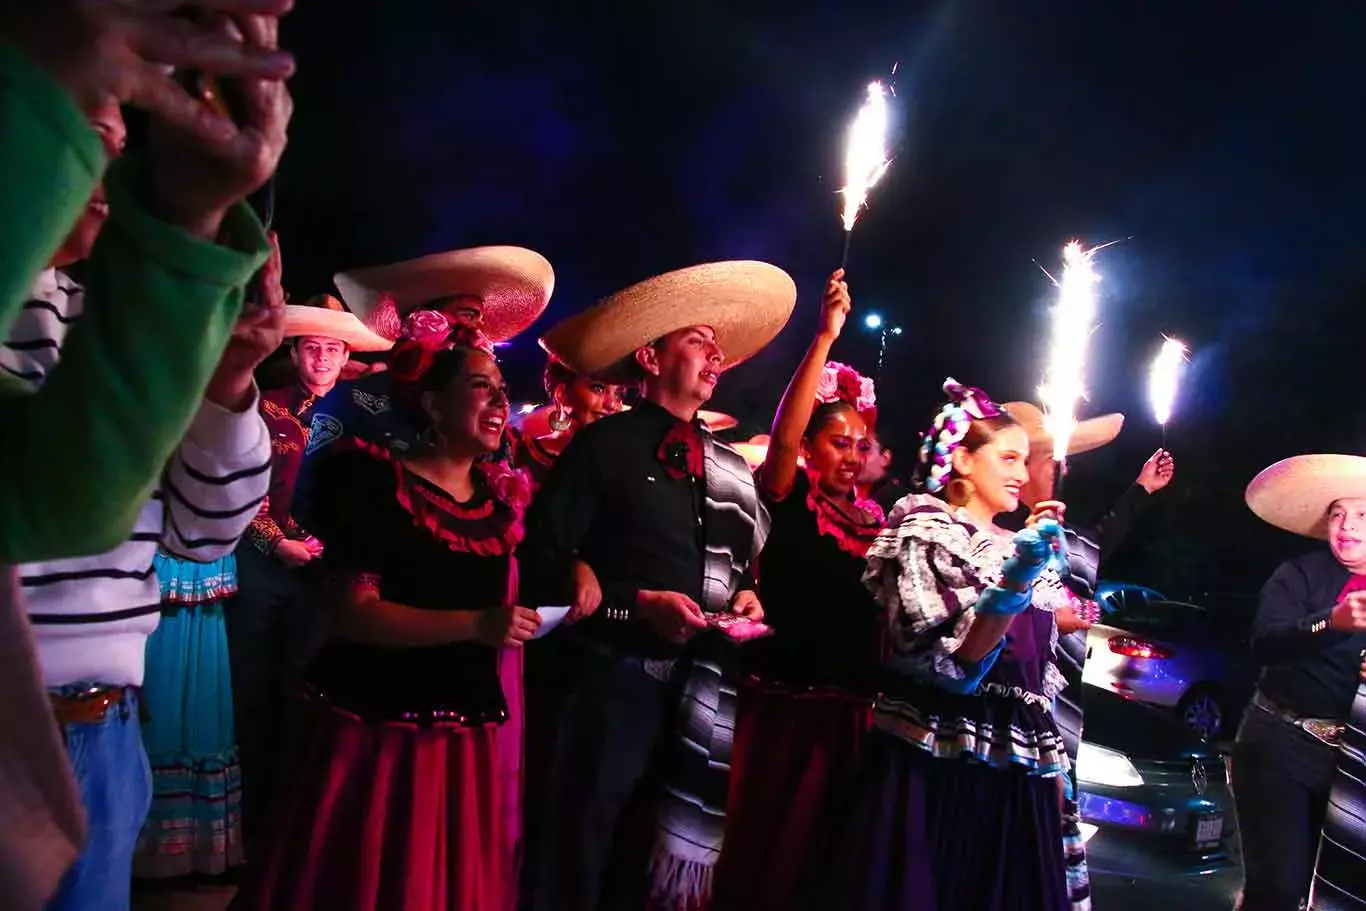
point(842, 383)
point(965, 405)
point(424, 334)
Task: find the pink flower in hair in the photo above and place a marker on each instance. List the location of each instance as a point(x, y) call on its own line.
point(828, 387)
point(427, 327)
point(867, 394)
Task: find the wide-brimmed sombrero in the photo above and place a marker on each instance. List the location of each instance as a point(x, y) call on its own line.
point(513, 282)
point(745, 303)
point(1090, 434)
point(325, 316)
point(1296, 493)
point(537, 423)
point(755, 450)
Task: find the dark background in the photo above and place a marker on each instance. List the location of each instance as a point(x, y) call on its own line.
point(623, 140)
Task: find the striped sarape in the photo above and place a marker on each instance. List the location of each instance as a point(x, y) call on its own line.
point(690, 818)
point(1340, 871)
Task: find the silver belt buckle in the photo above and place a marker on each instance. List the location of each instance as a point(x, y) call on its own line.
point(1329, 732)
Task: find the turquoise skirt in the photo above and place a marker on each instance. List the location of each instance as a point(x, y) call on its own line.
point(195, 824)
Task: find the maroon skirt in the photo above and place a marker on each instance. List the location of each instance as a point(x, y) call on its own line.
point(393, 817)
point(793, 766)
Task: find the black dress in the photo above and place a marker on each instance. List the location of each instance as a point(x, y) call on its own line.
point(405, 773)
point(806, 703)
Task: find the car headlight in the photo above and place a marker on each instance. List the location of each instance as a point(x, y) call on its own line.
point(1110, 768)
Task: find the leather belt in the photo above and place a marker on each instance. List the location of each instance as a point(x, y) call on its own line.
point(88, 706)
point(1324, 730)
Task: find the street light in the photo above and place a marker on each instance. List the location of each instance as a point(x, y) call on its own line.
point(875, 323)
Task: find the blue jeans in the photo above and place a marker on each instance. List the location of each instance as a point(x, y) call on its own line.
point(116, 788)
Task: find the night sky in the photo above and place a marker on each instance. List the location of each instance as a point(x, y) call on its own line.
point(622, 140)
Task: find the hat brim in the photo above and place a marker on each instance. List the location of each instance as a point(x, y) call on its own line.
point(335, 324)
point(1092, 433)
point(537, 423)
point(755, 451)
point(745, 303)
point(1296, 494)
point(514, 283)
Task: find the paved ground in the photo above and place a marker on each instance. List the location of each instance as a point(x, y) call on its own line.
point(1215, 892)
point(203, 899)
point(1210, 893)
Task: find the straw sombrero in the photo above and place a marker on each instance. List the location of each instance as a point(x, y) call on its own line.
point(1295, 494)
point(755, 450)
point(537, 423)
point(513, 282)
point(1091, 433)
point(325, 316)
point(745, 303)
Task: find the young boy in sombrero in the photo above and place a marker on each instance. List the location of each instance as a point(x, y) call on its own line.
point(271, 623)
point(647, 526)
point(1308, 636)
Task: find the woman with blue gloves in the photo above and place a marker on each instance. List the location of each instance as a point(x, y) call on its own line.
point(959, 801)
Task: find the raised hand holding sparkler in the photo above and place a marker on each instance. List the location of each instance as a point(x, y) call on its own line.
point(865, 158)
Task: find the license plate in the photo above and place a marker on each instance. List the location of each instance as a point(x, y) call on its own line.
point(1209, 831)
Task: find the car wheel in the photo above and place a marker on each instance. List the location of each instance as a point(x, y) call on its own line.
point(1202, 712)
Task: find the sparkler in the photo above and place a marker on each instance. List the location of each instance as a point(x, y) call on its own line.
point(1074, 319)
point(865, 158)
point(1164, 378)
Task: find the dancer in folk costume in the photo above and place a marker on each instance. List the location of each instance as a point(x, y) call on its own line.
point(1309, 637)
point(404, 778)
point(194, 825)
point(667, 519)
point(575, 402)
point(499, 291)
point(959, 798)
point(274, 623)
point(806, 703)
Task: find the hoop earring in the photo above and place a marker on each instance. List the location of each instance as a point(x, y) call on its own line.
point(959, 491)
point(560, 419)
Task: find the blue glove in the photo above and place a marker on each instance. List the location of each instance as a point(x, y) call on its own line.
point(1034, 548)
point(1002, 602)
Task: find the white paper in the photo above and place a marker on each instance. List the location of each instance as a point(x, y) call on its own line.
point(551, 617)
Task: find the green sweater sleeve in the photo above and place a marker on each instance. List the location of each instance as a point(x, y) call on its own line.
point(50, 162)
point(87, 449)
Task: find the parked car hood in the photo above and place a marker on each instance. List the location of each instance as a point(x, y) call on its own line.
point(1137, 730)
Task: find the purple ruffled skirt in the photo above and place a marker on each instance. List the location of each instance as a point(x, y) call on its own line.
point(928, 834)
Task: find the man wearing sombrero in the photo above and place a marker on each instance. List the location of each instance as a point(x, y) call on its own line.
point(499, 291)
point(271, 623)
point(666, 519)
point(1308, 636)
point(1086, 549)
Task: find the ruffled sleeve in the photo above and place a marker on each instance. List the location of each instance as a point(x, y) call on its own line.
point(927, 569)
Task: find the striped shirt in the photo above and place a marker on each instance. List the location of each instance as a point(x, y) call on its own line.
point(92, 615)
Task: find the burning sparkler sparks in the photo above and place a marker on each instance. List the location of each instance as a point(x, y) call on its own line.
point(1074, 319)
point(1164, 379)
point(865, 157)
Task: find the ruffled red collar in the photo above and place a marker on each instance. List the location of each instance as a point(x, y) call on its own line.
point(489, 525)
point(853, 523)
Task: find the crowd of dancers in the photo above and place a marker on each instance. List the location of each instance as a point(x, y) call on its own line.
point(289, 589)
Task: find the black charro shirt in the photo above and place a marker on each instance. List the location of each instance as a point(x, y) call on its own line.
point(608, 500)
point(1308, 668)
